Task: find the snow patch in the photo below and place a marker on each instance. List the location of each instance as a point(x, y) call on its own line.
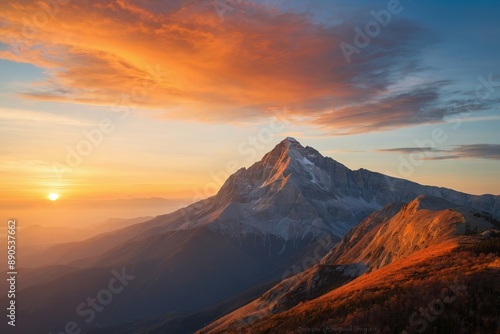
point(305, 161)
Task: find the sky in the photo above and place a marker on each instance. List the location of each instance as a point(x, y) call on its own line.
point(131, 100)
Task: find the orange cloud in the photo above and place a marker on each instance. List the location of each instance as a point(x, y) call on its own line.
point(180, 59)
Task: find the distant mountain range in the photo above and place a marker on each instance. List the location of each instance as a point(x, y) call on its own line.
point(292, 228)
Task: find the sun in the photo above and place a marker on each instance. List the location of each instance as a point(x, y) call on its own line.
point(53, 197)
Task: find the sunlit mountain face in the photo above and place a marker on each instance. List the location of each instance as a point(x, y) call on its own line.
point(249, 166)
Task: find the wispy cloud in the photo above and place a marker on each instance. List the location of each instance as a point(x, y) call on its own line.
point(472, 151)
point(38, 118)
point(409, 150)
point(342, 151)
point(421, 106)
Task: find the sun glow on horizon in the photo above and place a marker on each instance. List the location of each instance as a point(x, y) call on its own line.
point(53, 197)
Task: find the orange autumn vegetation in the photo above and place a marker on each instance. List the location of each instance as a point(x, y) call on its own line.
point(393, 293)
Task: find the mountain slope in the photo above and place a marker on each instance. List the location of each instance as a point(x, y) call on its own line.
point(445, 288)
point(392, 234)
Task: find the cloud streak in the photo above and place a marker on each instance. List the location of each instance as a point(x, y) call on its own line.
point(471, 151)
point(409, 150)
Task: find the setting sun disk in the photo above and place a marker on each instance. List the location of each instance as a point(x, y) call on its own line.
point(53, 197)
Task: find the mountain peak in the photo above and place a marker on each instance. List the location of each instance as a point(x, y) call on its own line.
point(290, 155)
point(289, 143)
point(291, 140)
